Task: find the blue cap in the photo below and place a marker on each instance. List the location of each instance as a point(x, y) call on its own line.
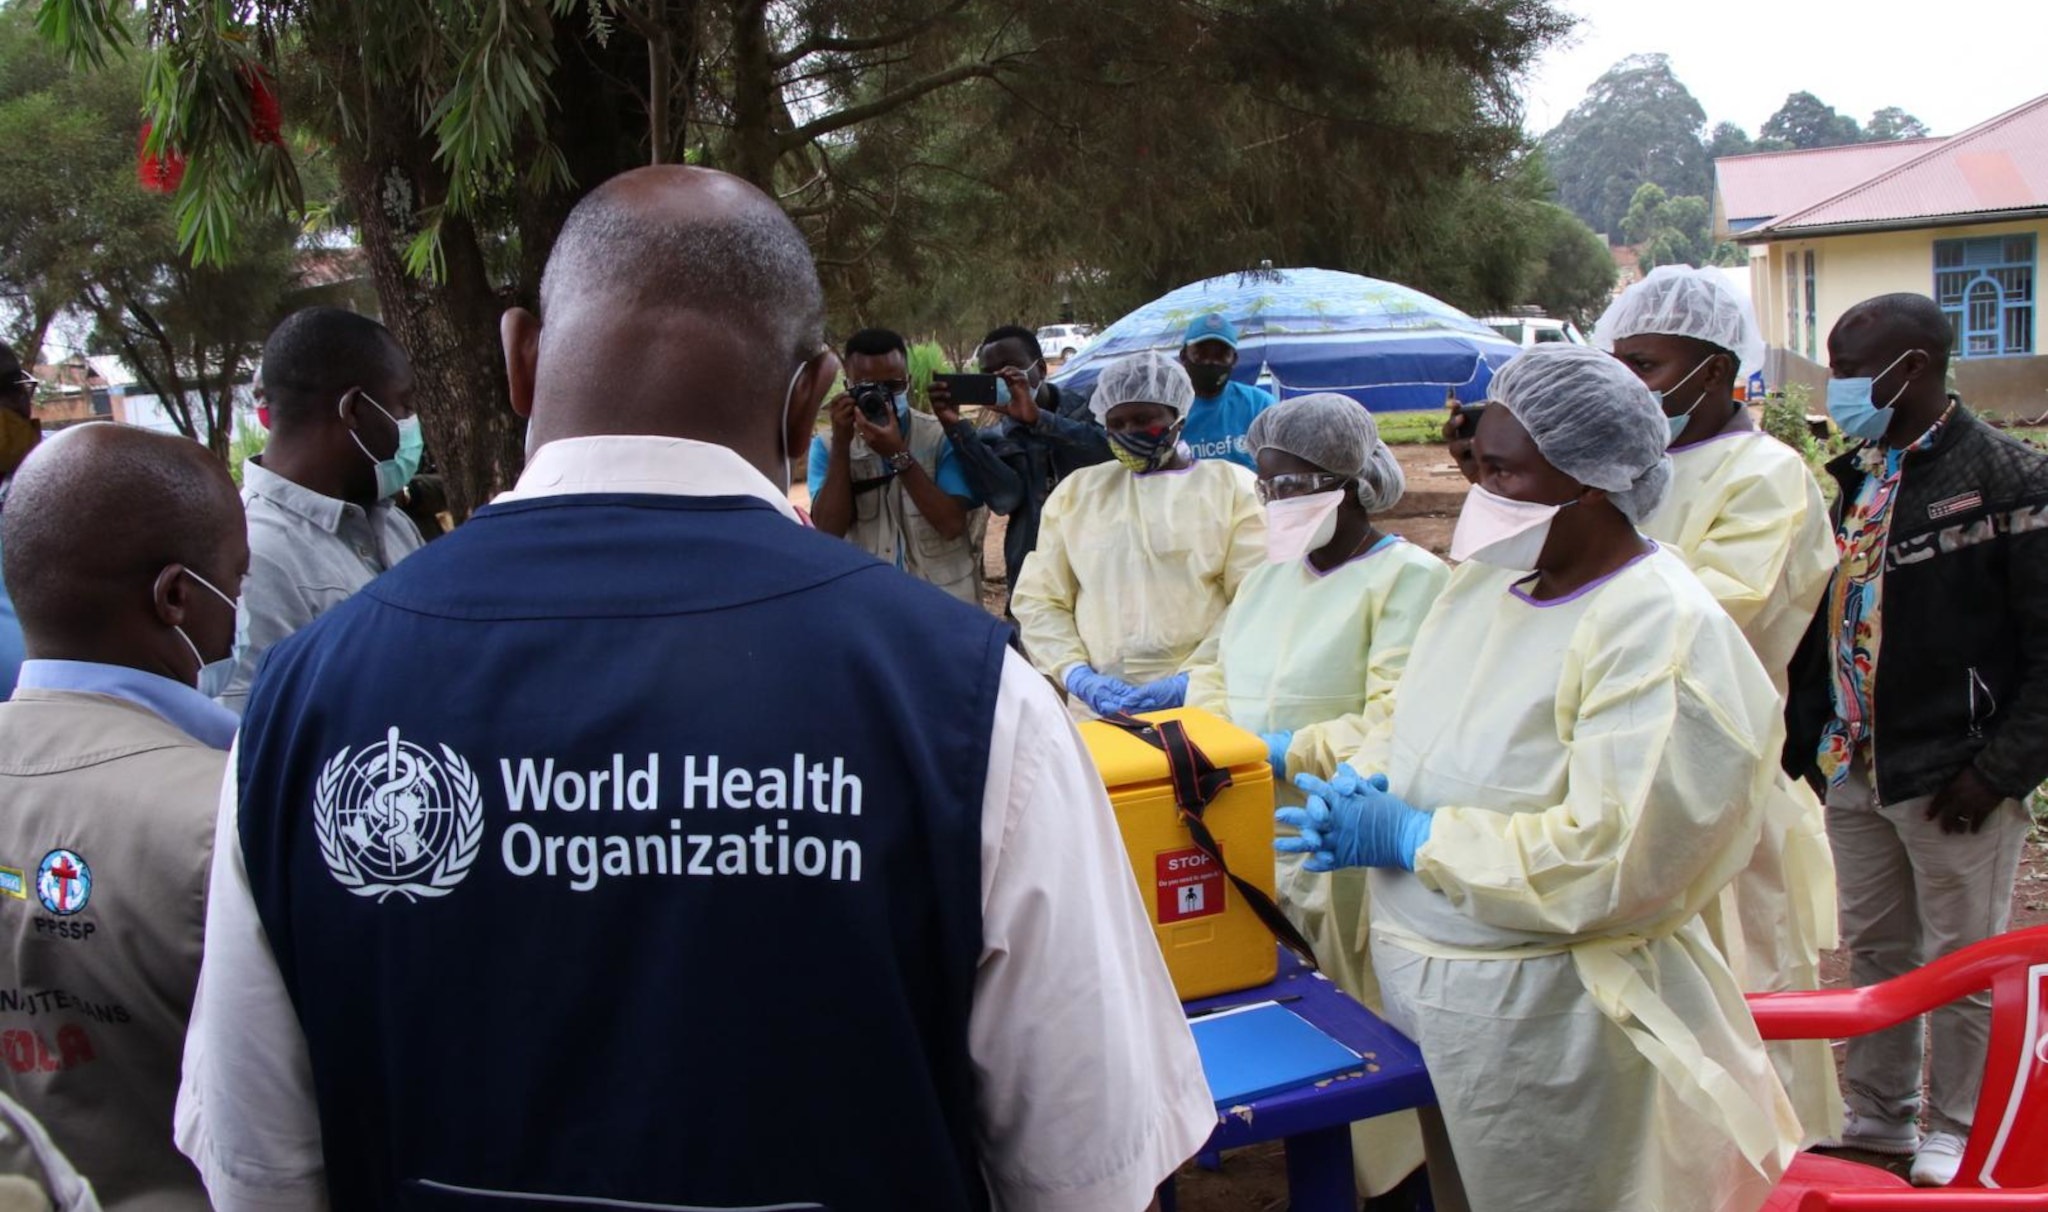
point(1213, 327)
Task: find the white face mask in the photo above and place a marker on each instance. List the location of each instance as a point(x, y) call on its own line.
point(213, 676)
point(1494, 529)
point(1679, 422)
point(1298, 525)
point(782, 438)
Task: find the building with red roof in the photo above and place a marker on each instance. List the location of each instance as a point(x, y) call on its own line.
point(1961, 219)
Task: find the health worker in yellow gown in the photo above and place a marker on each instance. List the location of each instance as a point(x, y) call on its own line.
point(1308, 657)
point(1574, 769)
point(1746, 515)
point(1137, 559)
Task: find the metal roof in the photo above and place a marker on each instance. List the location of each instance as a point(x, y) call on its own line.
point(1762, 186)
point(1996, 167)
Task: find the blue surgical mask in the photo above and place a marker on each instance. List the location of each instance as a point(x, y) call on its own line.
point(397, 471)
point(1679, 422)
point(902, 402)
point(214, 676)
point(1860, 416)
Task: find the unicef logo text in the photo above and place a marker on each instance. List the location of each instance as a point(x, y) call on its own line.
point(396, 818)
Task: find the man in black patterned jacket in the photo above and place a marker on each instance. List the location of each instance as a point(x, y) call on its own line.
point(1932, 701)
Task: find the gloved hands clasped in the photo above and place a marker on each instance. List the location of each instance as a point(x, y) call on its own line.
point(1352, 821)
point(1104, 695)
point(1159, 695)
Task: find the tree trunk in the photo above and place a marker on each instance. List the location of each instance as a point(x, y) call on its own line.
point(756, 144)
point(449, 329)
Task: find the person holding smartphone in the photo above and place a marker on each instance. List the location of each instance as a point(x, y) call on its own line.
point(1045, 436)
point(886, 481)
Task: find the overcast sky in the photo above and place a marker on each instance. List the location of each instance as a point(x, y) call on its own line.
point(1951, 64)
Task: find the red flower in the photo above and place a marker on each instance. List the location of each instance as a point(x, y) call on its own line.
point(266, 118)
point(158, 174)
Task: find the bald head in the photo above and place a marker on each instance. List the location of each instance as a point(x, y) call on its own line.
point(317, 354)
point(690, 241)
point(95, 516)
point(677, 302)
point(1893, 324)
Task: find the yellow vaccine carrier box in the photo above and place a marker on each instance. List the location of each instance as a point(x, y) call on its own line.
point(1213, 939)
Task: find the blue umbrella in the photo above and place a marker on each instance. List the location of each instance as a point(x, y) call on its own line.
point(1310, 330)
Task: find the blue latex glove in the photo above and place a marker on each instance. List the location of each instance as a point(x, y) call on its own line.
point(1353, 822)
point(1276, 752)
point(1159, 695)
point(1105, 695)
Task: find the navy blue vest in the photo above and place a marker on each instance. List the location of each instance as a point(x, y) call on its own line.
point(628, 848)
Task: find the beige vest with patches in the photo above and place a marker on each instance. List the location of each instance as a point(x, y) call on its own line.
point(93, 1002)
point(886, 521)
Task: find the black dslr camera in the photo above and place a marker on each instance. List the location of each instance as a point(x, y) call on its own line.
point(874, 401)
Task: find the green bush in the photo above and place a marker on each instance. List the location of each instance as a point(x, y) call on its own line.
point(1423, 427)
point(249, 441)
point(927, 358)
point(1785, 420)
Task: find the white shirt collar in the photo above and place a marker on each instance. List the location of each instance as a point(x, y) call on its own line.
point(630, 463)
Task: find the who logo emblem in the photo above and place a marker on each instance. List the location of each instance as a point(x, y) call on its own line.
point(395, 818)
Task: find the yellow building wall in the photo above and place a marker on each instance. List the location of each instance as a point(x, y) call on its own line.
point(1849, 269)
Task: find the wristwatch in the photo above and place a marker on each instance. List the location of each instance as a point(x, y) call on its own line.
point(902, 460)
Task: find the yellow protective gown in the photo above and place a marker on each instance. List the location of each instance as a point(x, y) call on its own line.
point(1745, 513)
point(1318, 654)
point(1132, 573)
point(1596, 768)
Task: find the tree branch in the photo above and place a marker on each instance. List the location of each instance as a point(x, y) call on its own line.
point(841, 69)
point(841, 119)
point(819, 42)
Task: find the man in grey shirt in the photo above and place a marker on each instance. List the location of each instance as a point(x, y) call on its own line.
point(343, 442)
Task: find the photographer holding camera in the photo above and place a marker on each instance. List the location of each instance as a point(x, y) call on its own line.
point(1046, 435)
point(887, 481)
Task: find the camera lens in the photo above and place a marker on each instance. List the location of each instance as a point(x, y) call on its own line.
point(872, 399)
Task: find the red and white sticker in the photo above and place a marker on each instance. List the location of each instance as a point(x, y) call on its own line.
point(1190, 885)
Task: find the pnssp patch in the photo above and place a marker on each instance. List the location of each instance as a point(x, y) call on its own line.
point(63, 882)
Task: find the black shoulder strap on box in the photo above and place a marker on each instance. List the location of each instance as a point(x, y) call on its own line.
point(1197, 782)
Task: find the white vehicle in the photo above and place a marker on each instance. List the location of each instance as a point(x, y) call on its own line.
point(1526, 331)
point(1062, 341)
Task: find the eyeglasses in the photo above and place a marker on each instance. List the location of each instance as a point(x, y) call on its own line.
point(27, 382)
point(1296, 484)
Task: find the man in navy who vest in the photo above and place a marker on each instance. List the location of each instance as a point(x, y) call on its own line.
point(623, 846)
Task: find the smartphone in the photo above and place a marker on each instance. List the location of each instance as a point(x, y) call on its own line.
point(986, 390)
point(1470, 425)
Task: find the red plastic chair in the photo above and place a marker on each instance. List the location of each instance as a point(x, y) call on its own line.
point(2005, 1161)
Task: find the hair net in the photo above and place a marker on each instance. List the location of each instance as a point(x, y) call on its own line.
point(1592, 419)
point(1679, 301)
point(1150, 377)
point(1337, 434)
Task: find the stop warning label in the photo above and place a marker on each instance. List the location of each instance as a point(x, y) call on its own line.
point(1190, 885)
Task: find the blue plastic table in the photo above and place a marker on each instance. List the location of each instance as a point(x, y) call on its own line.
point(1314, 1119)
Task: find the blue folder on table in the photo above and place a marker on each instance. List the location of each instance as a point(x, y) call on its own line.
point(1263, 1048)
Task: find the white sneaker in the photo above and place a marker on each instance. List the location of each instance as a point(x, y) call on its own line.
point(1879, 1136)
point(1940, 1156)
